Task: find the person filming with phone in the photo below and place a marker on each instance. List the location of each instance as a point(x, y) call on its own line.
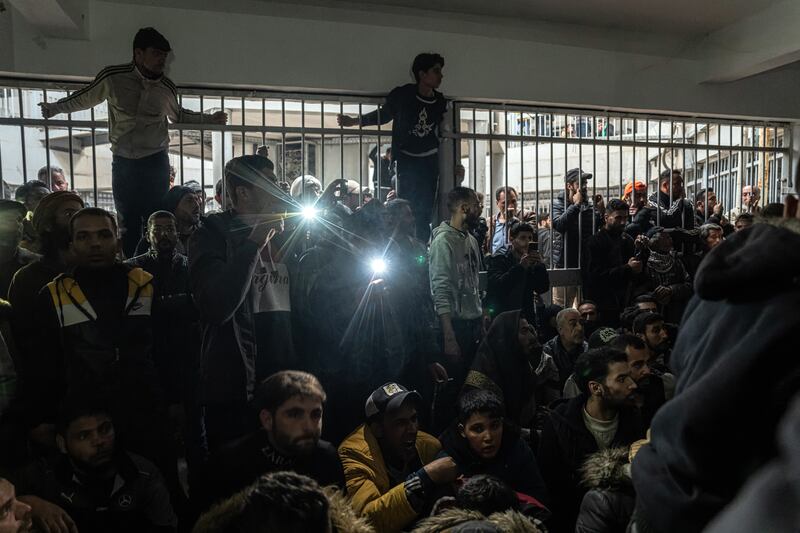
point(610, 265)
point(516, 274)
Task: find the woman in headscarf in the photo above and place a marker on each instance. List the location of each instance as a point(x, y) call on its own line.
point(510, 363)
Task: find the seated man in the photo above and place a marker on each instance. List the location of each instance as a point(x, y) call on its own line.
point(290, 405)
point(482, 442)
point(94, 486)
point(15, 515)
point(516, 274)
point(653, 388)
point(389, 464)
point(651, 329)
point(601, 417)
point(565, 347)
point(96, 334)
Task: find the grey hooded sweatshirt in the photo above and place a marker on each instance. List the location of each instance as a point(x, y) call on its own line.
point(455, 262)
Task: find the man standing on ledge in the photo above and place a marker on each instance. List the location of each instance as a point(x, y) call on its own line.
point(416, 110)
point(140, 100)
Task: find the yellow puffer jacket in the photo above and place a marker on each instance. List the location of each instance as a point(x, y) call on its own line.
point(367, 479)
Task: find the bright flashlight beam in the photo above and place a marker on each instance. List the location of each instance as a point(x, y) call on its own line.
point(309, 212)
point(378, 265)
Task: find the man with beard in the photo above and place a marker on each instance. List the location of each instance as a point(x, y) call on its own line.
point(93, 486)
point(650, 328)
point(600, 418)
point(665, 275)
point(455, 263)
point(290, 408)
point(185, 204)
point(610, 265)
point(389, 465)
point(565, 347)
point(15, 515)
point(241, 289)
point(651, 392)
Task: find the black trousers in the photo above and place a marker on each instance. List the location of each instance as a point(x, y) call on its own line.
point(417, 180)
point(139, 185)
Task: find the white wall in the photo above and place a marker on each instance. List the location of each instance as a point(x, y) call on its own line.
point(218, 47)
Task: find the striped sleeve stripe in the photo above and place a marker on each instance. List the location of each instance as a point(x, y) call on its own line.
point(106, 72)
point(171, 86)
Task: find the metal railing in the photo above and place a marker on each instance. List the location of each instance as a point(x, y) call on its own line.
point(529, 148)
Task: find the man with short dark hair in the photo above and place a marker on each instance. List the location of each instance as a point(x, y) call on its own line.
point(600, 418)
point(290, 409)
point(55, 180)
point(141, 100)
point(651, 392)
point(501, 223)
point(516, 275)
point(650, 328)
point(565, 347)
point(186, 205)
point(610, 265)
point(646, 302)
point(416, 110)
point(574, 219)
point(745, 220)
point(389, 464)
point(96, 335)
point(94, 486)
point(241, 288)
point(668, 206)
point(455, 263)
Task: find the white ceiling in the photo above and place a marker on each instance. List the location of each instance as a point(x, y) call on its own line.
point(689, 17)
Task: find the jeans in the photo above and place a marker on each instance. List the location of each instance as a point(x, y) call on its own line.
point(417, 180)
point(139, 186)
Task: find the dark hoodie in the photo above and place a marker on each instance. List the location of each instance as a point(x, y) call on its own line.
point(514, 463)
point(735, 377)
point(500, 367)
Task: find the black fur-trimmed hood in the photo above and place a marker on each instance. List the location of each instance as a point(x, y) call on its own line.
point(508, 521)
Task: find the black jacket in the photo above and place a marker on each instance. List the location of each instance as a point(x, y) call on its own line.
point(176, 328)
point(734, 380)
point(564, 446)
point(511, 286)
point(564, 360)
point(573, 226)
point(95, 335)
point(514, 463)
point(669, 213)
point(221, 265)
point(607, 278)
point(608, 505)
point(139, 502)
point(239, 463)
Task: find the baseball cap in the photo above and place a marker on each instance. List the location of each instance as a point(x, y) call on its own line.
point(652, 232)
point(640, 186)
point(150, 38)
point(575, 173)
point(601, 337)
point(388, 397)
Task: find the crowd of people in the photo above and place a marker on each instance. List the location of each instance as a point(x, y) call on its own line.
point(163, 369)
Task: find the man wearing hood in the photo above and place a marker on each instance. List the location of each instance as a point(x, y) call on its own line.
point(510, 363)
point(455, 263)
point(600, 418)
point(186, 205)
point(610, 265)
point(736, 335)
